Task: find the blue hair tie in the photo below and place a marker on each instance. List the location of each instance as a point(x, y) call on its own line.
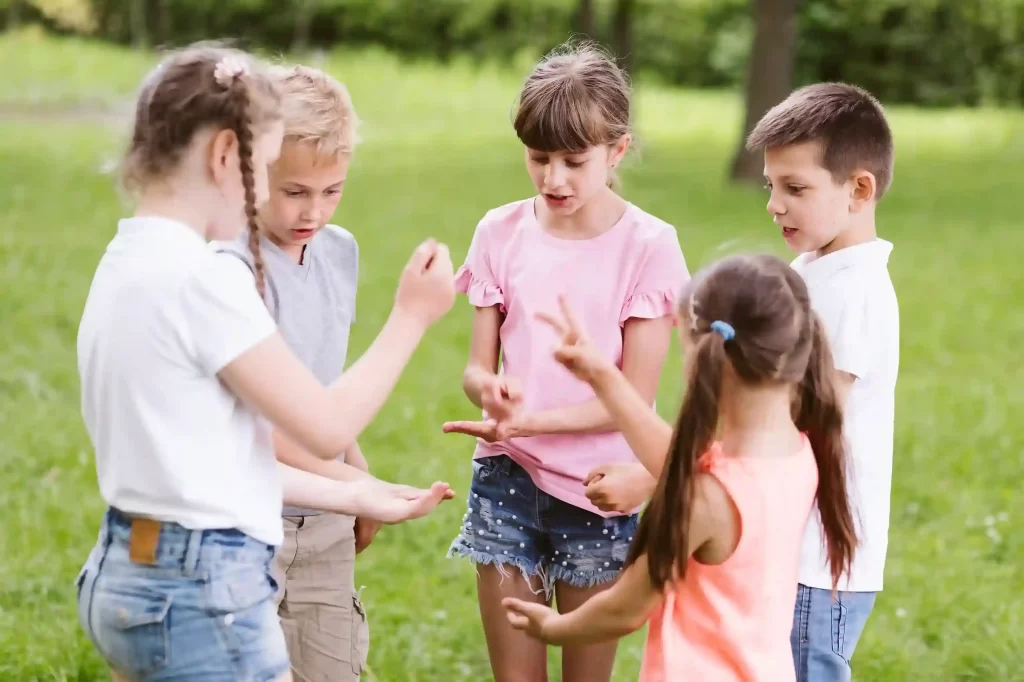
point(724, 328)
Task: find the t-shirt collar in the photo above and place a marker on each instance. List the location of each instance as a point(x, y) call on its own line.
point(874, 252)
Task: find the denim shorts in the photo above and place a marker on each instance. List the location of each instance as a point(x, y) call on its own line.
point(203, 609)
point(511, 522)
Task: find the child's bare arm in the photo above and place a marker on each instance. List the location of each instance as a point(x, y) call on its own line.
point(614, 613)
point(629, 409)
point(354, 458)
point(363, 498)
point(647, 434)
point(291, 453)
point(328, 420)
point(484, 348)
point(644, 347)
point(626, 606)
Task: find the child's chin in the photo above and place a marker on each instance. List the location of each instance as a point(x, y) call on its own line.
point(796, 247)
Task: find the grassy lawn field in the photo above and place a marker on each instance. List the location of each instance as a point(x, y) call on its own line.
point(438, 152)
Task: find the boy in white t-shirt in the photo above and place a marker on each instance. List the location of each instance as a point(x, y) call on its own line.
point(828, 157)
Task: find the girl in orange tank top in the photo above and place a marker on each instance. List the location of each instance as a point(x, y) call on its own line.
point(713, 568)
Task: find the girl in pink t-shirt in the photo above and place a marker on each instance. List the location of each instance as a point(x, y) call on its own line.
point(530, 527)
point(713, 569)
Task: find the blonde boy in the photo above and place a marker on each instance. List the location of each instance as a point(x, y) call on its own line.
point(828, 160)
point(311, 270)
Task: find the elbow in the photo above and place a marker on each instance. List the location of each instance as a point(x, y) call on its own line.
point(633, 622)
point(471, 383)
point(292, 450)
point(633, 616)
point(329, 444)
point(337, 447)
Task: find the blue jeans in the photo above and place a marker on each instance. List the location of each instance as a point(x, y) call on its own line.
point(510, 522)
point(199, 607)
point(825, 632)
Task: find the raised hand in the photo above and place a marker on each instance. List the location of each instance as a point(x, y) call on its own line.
point(619, 487)
point(426, 289)
point(528, 616)
point(574, 350)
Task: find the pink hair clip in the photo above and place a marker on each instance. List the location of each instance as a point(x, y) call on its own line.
point(228, 69)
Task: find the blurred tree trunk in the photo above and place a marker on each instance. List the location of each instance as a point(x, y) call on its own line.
point(585, 18)
point(164, 26)
point(769, 76)
point(106, 26)
point(622, 32)
point(14, 15)
point(303, 23)
point(137, 21)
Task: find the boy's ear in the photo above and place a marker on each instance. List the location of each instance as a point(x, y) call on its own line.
point(863, 188)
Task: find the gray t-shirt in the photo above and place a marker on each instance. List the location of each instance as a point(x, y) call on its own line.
point(313, 302)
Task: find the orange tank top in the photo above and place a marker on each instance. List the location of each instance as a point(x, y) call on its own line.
point(731, 622)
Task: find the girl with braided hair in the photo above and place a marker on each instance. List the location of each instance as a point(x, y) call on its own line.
point(183, 372)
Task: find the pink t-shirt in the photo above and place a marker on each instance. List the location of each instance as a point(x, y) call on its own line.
point(635, 269)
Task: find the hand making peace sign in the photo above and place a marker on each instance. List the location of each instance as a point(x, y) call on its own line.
point(574, 351)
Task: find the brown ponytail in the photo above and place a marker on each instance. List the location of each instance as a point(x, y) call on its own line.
point(663, 531)
point(774, 337)
point(819, 415)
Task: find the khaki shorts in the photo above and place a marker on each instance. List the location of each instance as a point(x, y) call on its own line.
point(323, 620)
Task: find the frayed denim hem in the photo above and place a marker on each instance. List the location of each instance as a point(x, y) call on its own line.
point(549, 576)
point(582, 579)
point(502, 562)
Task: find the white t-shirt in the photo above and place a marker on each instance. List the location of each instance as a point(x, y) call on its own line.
point(164, 314)
point(851, 291)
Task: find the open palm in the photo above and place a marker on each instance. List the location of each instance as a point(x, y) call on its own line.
point(391, 503)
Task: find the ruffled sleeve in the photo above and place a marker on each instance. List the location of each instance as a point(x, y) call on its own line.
point(656, 293)
point(480, 292)
point(649, 305)
point(476, 278)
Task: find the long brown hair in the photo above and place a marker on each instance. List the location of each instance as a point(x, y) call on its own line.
point(776, 337)
point(182, 96)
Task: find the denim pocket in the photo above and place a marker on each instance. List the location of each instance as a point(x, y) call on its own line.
point(240, 588)
point(131, 628)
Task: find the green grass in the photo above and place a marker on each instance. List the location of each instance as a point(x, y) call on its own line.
point(438, 153)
